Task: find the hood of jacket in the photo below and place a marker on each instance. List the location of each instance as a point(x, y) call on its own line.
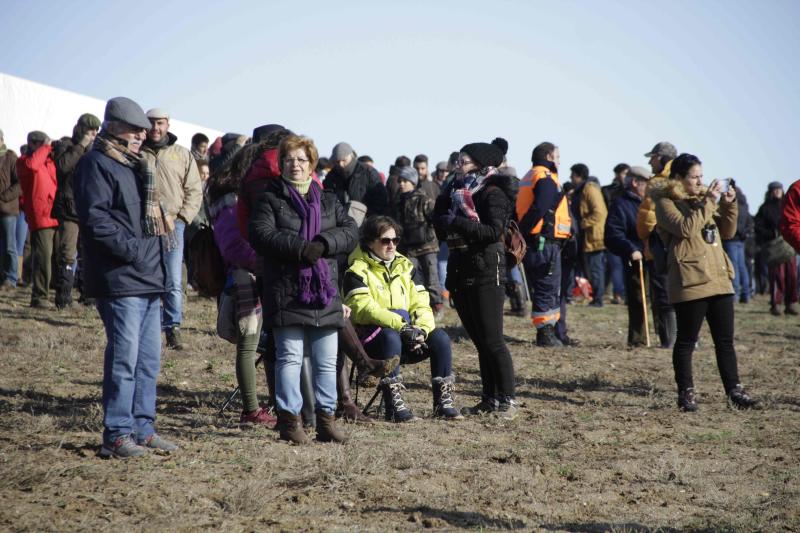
point(508, 184)
point(672, 189)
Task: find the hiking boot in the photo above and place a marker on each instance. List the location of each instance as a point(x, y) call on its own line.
point(791, 309)
point(326, 428)
point(259, 417)
point(173, 335)
point(159, 443)
point(739, 399)
point(376, 368)
point(617, 300)
point(348, 411)
point(686, 400)
point(438, 312)
point(443, 398)
point(487, 405)
point(546, 337)
point(7, 286)
point(507, 409)
point(394, 406)
point(774, 310)
point(291, 428)
point(566, 340)
point(122, 448)
point(40, 303)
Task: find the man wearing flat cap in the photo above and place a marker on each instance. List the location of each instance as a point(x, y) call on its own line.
point(354, 181)
point(124, 235)
point(37, 178)
point(181, 195)
point(67, 152)
point(655, 253)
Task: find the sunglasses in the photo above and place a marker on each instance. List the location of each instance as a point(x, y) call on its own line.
point(386, 241)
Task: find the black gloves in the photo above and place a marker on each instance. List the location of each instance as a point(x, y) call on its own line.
point(413, 338)
point(312, 251)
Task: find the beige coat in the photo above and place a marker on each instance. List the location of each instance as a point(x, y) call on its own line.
point(646, 218)
point(695, 268)
point(179, 185)
point(593, 217)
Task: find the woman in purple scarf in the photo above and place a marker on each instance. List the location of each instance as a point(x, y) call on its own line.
point(299, 229)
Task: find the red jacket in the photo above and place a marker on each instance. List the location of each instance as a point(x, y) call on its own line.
point(37, 177)
point(790, 219)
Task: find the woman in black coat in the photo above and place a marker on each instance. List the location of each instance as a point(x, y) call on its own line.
point(299, 229)
point(782, 277)
point(472, 213)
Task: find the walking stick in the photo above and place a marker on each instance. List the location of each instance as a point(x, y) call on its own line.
point(644, 301)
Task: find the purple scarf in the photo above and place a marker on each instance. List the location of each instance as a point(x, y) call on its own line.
point(316, 288)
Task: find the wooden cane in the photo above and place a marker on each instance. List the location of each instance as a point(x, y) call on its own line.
point(644, 302)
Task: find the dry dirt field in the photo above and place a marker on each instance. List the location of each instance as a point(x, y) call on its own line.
point(599, 446)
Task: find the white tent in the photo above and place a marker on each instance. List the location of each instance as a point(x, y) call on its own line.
point(26, 106)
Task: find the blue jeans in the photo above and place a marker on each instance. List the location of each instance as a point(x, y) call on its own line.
point(8, 249)
point(741, 279)
point(173, 298)
point(22, 233)
point(616, 272)
point(131, 365)
point(290, 342)
point(441, 258)
point(596, 266)
point(387, 344)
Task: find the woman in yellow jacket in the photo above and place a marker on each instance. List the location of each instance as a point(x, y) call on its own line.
point(393, 316)
point(699, 273)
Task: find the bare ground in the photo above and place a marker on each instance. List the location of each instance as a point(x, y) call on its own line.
point(599, 446)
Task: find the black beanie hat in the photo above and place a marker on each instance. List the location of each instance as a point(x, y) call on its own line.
point(502, 144)
point(484, 154)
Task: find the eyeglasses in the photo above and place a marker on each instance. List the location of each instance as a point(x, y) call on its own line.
point(386, 241)
point(463, 162)
point(293, 160)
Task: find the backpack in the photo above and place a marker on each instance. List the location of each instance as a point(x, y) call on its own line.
point(514, 243)
point(208, 277)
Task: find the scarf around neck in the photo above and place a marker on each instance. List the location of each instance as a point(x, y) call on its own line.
point(545, 163)
point(465, 188)
point(154, 221)
point(316, 287)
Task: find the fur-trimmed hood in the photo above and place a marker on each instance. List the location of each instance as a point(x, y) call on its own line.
point(672, 189)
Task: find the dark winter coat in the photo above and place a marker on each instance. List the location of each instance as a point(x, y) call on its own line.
point(620, 235)
point(482, 261)
point(275, 235)
point(119, 260)
point(363, 185)
point(414, 212)
point(744, 222)
point(767, 221)
point(66, 154)
point(9, 184)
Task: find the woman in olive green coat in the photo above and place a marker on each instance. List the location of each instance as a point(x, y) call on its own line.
point(699, 273)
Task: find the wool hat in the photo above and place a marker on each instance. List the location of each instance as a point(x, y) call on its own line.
point(341, 151)
point(484, 154)
point(89, 122)
point(125, 110)
point(441, 165)
point(408, 174)
point(502, 144)
point(262, 132)
point(158, 112)
point(640, 173)
point(771, 187)
point(37, 137)
point(663, 149)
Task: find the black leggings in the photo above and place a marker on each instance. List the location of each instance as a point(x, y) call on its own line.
point(718, 312)
point(480, 309)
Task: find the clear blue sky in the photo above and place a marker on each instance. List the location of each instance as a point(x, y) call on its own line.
point(603, 80)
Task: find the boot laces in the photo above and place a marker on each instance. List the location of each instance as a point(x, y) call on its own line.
point(446, 399)
point(396, 390)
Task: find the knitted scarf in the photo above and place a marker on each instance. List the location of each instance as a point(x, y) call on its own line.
point(316, 287)
point(154, 221)
point(463, 190)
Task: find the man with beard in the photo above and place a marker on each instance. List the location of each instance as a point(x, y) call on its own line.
point(357, 186)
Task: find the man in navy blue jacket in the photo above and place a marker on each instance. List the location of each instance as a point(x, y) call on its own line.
point(621, 239)
point(121, 229)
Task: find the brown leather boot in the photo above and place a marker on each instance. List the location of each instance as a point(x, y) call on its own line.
point(291, 428)
point(347, 409)
point(367, 366)
point(326, 428)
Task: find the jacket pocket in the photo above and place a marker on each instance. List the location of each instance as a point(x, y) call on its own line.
point(693, 271)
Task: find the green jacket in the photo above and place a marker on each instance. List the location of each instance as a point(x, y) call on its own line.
point(372, 290)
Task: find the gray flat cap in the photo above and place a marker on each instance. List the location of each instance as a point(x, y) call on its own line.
point(158, 112)
point(126, 110)
point(341, 151)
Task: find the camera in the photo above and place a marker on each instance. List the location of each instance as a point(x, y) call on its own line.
point(710, 233)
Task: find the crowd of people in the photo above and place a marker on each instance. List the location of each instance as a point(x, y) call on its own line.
point(325, 260)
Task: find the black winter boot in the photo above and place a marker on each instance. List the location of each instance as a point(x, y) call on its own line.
point(546, 337)
point(443, 398)
point(393, 403)
point(488, 404)
point(517, 299)
point(65, 278)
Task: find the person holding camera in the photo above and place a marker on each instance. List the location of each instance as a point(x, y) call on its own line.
point(393, 315)
point(699, 273)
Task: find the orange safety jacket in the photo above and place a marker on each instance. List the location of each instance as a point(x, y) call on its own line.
point(561, 219)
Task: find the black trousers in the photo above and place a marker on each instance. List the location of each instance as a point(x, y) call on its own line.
point(718, 312)
point(480, 309)
point(633, 297)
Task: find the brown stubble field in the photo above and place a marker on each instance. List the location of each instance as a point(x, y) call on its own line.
point(599, 445)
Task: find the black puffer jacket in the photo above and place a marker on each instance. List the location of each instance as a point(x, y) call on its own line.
point(66, 154)
point(363, 185)
point(768, 219)
point(275, 235)
point(483, 261)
